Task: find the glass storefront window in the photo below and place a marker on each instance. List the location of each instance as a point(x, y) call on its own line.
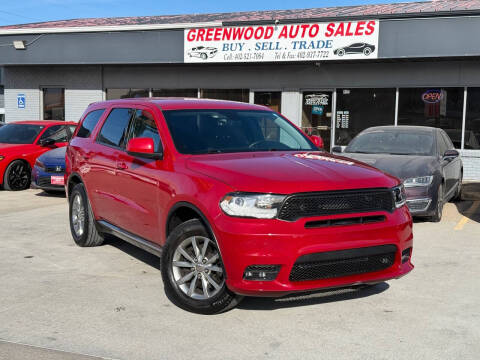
point(359, 109)
point(472, 121)
point(113, 94)
point(53, 104)
point(317, 114)
point(272, 99)
point(241, 95)
point(183, 93)
point(436, 107)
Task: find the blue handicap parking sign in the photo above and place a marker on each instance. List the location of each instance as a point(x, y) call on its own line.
point(21, 101)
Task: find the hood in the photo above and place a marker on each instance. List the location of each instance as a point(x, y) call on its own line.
point(401, 166)
point(286, 173)
point(55, 155)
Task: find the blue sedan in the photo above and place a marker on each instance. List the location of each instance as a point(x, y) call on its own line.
point(48, 172)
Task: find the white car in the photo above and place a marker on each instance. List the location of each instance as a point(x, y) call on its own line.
point(203, 52)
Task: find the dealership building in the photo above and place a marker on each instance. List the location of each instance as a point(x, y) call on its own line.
point(332, 71)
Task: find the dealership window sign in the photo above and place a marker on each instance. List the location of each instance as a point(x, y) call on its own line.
point(290, 42)
point(432, 96)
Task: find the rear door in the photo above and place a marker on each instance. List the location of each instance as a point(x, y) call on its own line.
point(102, 165)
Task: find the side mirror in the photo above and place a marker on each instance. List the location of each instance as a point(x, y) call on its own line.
point(144, 148)
point(451, 154)
point(47, 142)
point(336, 149)
point(317, 140)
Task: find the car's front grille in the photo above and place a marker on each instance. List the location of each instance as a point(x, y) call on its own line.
point(43, 181)
point(54, 169)
point(340, 263)
point(336, 202)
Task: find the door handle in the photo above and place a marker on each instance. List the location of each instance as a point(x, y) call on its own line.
point(121, 165)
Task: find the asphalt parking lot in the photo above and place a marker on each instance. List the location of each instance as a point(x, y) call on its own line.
point(59, 301)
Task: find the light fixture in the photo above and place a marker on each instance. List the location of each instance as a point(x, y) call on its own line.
point(19, 44)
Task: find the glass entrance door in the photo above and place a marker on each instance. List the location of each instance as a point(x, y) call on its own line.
point(317, 114)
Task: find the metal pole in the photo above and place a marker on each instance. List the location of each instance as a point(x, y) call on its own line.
point(464, 117)
point(397, 95)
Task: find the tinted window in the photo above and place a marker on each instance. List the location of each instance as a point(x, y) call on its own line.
point(114, 130)
point(441, 144)
point(436, 107)
point(143, 126)
point(57, 132)
point(359, 109)
point(393, 142)
point(19, 133)
point(54, 104)
point(472, 124)
point(214, 131)
point(89, 123)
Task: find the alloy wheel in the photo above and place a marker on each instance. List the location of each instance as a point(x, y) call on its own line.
point(78, 215)
point(197, 268)
point(18, 176)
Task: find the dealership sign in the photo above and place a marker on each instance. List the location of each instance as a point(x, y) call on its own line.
point(292, 42)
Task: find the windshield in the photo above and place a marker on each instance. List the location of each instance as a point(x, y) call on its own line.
point(222, 130)
point(393, 142)
point(19, 133)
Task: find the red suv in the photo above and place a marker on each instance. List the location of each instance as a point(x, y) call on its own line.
point(235, 200)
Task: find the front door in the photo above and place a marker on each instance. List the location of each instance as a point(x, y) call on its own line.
point(317, 114)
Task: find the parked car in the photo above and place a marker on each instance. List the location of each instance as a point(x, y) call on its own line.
point(423, 157)
point(234, 198)
point(203, 52)
point(357, 48)
point(49, 170)
point(22, 142)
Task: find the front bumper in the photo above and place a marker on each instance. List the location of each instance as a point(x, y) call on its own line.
point(247, 242)
point(42, 180)
point(420, 200)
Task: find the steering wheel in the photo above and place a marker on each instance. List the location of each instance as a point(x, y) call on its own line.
point(269, 144)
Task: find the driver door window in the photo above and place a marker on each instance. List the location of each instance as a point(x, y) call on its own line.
point(143, 126)
point(58, 133)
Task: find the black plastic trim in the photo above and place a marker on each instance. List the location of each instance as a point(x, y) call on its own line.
point(347, 254)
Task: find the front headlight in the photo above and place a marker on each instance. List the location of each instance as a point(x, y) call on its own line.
point(40, 165)
point(399, 196)
point(260, 206)
point(418, 181)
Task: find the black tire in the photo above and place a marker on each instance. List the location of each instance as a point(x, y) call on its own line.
point(367, 51)
point(17, 176)
point(221, 300)
point(203, 56)
point(341, 52)
point(437, 217)
point(88, 236)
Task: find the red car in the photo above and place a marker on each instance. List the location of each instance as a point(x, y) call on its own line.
point(21, 142)
point(234, 198)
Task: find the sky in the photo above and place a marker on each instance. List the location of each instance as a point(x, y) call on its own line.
point(27, 11)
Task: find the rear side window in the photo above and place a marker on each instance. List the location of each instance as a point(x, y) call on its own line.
point(114, 130)
point(89, 123)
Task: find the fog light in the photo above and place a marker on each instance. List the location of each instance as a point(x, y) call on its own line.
point(261, 272)
point(406, 255)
